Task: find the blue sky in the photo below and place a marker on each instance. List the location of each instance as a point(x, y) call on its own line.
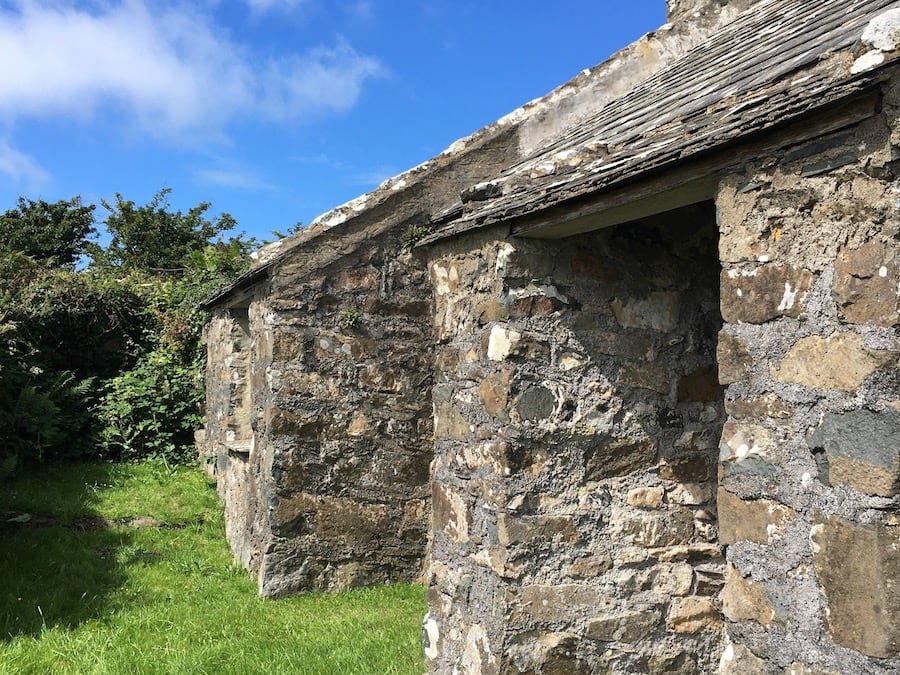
point(273, 110)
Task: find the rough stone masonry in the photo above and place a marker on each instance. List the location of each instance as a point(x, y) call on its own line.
point(633, 403)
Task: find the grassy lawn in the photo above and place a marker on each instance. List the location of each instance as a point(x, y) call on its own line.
point(124, 569)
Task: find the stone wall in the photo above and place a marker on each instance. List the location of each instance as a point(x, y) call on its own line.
point(232, 446)
point(577, 415)
point(810, 456)
point(349, 422)
point(340, 431)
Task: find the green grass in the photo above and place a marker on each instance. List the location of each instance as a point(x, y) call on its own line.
point(82, 591)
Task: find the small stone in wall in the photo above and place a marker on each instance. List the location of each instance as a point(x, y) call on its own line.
point(858, 567)
point(840, 361)
point(570, 361)
point(449, 513)
point(764, 293)
point(694, 468)
point(607, 457)
point(447, 359)
point(710, 578)
point(589, 566)
point(733, 358)
point(738, 660)
point(689, 552)
point(671, 659)
point(690, 494)
point(693, 614)
point(477, 657)
point(449, 423)
point(431, 643)
point(628, 627)
point(501, 342)
point(658, 311)
point(557, 603)
point(512, 530)
point(770, 405)
point(646, 376)
point(866, 284)
point(489, 312)
point(746, 600)
point(695, 440)
point(645, 497)
point(550, 653)
point(444, 279)
point(742, 441)
point(654, 530)
point(535, 404)
point(358, 426)
point(755, 520)
point(676, 579)
point(494, 392)
point(862, 450)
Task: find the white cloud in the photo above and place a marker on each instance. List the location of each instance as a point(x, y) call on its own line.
point(235, 178)
point(169, 68)
point(21, 169)
point(269, 5)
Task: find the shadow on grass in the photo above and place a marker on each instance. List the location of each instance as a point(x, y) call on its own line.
point(61, 566)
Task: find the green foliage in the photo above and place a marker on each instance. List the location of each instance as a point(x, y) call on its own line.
point(292, 230)
point(55, 232)
point(40, 411)
point(350, 318)
point(152, 410)
point(154, 238)
point(413, 234)
point(107, 359)
point(95, 324)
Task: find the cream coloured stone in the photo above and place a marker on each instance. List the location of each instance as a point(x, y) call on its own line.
point(676, 579)
point(645, 497)
point(738, 660)
point(693, 614)
point(658, 311)
point(477, 658)
point(883, 32)
point(746, 600)
point(690, 494)
point(501, 342)
point(741, 441)
point(837, 362)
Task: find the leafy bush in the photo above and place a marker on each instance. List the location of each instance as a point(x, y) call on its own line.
point(152, 410)
point(107, 360)
point(41, 413)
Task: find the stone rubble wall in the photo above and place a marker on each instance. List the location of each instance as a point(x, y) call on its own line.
point(577, 415)
point(349, 423)
point(232, 445)
point(809, 477)
point(302, 508)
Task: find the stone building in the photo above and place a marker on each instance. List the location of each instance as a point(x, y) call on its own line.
point(632, 402)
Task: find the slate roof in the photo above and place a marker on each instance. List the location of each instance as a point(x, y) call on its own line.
point(769, 66)
point(776, 62)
